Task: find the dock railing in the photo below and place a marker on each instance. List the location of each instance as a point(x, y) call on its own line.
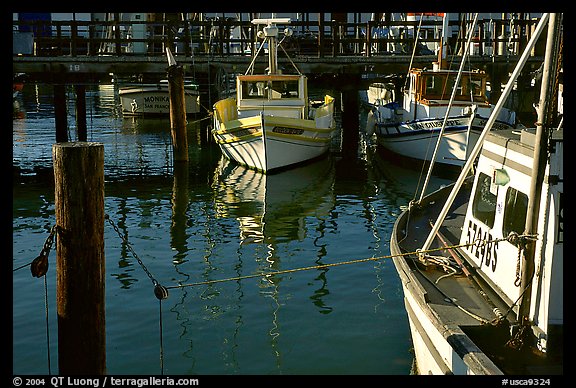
point(225, 37)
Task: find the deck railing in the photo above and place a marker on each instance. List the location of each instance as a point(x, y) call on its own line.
point(220, 37)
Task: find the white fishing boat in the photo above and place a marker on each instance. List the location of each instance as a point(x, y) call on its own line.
point(434, 101)
point(271, 124)
point(483, 284)
point(140, 99)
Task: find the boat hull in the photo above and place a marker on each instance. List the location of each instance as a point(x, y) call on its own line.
point(461, 295)
point(270, 143)
point(440, 344)
point(417, 139)
point(154, 100)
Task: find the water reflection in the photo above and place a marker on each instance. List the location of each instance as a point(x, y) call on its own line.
point(208, 220)
point(273, 208)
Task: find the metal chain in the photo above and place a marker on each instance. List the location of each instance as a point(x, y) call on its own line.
point(160, 291)
point(39, 266)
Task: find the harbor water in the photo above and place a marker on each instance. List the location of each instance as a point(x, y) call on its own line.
point(212, 237)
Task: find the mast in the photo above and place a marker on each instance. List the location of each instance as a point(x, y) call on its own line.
point(487, 128)
point(454, 89)
point(539, 163)
point(270, 34)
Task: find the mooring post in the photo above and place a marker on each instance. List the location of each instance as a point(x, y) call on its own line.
point(81, 112)
point(80, 262)
point(350, 115)
point(177, 112)
point(180, 202)
point(60, 113)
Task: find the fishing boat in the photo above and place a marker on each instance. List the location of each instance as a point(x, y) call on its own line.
point(271, 124)
point(435, 102)
point(141, 99)
point(483, 283)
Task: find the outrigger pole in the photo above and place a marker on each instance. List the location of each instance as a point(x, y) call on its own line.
point(454, 89)
point(487, 127)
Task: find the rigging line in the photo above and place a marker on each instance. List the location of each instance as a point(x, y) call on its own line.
point(448, 298)
point(413, 50)
point(47, 323)
point(324, 266)
point(161, 339)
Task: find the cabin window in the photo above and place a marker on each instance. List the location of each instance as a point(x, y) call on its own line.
point(253, 89)
point(484, 204)
point(272, 90)
point(434, 85)
point(285, 89)
point(515, 210)
point(475, 87)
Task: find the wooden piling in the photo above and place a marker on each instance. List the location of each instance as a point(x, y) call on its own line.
point(81, 112)
point(177, 112)
point(60, 113)
point(80, 262)
point(350, 115)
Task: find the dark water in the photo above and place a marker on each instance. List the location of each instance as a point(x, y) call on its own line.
point(212, 220)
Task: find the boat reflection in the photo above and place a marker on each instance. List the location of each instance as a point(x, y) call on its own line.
point(273, 208)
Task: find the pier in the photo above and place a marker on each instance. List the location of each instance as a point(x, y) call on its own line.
point(92, 50)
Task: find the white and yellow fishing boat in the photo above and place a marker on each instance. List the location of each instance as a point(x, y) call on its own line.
point(271, 124)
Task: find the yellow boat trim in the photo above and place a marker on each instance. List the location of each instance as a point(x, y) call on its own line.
point(298, 137)
point(238, 124)
point(307, 125)
point(234, 139)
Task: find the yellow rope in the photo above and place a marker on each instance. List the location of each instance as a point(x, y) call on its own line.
point(322, 266)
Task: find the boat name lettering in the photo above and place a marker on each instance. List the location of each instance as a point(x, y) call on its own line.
point(156, 99)
point(157, 106)
point(435, 124)
point(482, 123)
point(485, 249)
point(288, 131)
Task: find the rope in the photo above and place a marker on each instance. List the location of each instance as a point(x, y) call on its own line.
point(325, 266)
point(47, 323)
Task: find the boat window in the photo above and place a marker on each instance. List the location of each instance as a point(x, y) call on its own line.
point(434, 85)
point(515, 210)
point(253, 89)
point(273, 90)
point(285, 89)
point(475, 87)
point(484, 204)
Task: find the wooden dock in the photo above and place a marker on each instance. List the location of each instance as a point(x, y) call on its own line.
point(77, 51)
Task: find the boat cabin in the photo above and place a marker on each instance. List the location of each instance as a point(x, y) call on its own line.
point(429, 92)
point(498, 207)
point(279, 94)
point(435, 87)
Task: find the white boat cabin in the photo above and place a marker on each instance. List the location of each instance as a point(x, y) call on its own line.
point(429, 92)
point(278, 95)
point(499, 205)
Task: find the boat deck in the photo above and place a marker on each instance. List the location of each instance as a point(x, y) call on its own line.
point(463, 305)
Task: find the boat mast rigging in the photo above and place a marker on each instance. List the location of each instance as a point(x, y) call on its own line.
point(487, 127)
point(454, 90)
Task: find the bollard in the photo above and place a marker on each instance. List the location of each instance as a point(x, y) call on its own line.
point(80, 262)
point(177, 112)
